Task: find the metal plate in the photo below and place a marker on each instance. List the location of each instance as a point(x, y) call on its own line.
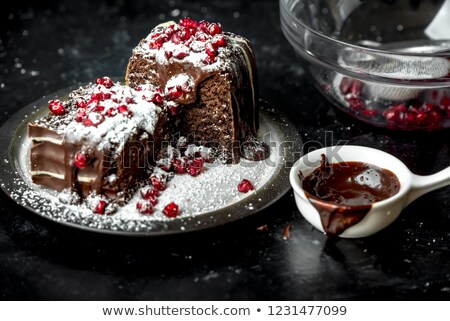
point(218, 204)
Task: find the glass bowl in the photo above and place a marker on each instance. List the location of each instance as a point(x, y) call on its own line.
point(385, 62)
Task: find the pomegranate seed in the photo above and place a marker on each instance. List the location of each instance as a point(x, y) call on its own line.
point(176, 39)
point(179, 166)
point(168, 54)
point(155, 43)
point(189, 23)
point(155, 35)
point(400, 108)
point(129, 100)
point(81, 103)
point(56, 107)
point(111, 112)
point(157, 99)
point(174, 93)
point(427, 107)
point(219, 41)
point(445, 101)
point(370, 112)
point(392, 115)
point(410, 117)
point(94, 119)
point(356, 103)
point(171, 210)
point(104, 81)
point(210, 50)
point(193, 171)
point(99, 108)
point(181, 55)
point(208, 60)
point(80, 160)
point(184, 34)
point(144, 207)
point(149, 192)
point(203, 26)
point(421, 118)
point(198, 162)
point(245, 186)
point(214, 29)
point(92, 103)
point(356, 87)
point(156, 182)
point(201, 37)
point(80, 114)
point(434, 118)
point(123, 109)
point(100, 207)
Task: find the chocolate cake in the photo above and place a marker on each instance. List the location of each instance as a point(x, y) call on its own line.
point(213, 75)
point(100, 140)
point(186, 83)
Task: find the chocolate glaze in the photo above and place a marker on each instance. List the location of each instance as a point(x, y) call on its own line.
point(239, 70)
point(343, 193)
point(253, 149)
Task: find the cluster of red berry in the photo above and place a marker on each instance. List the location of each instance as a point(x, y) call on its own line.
point(195, 36)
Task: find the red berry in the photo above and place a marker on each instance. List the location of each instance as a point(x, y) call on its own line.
point(111, 112)
point(80, 114)
point(370, 112)
point(219, 41)
point(93, 119)
point(56, 107)
point(179, 166)
point(176, 39)
point(181, 55)
point(100, 207)
point(203, 26)
point(201, 37)
point(174, 93)
point(210, 50)
point(356, 103)
point(197, 162)
point(123, 109)
point(157, 99)
point(189, 23)
point(245, 186)
point(81, 103)
point(105, 81)
point(171, 210)
point(157, 183)
point(214, 29)
point(421, 118)
point(144, 207)
point(149, 192)
point(193, 170)
point(80, 160)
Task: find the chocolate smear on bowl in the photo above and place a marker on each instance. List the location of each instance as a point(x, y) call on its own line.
point(343, 193)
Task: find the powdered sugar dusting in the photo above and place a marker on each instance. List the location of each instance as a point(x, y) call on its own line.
point(208, 199)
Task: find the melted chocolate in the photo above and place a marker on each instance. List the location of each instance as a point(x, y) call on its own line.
point(251, 148)
point(343, 193)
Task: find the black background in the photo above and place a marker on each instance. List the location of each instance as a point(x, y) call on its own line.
point(46, 46)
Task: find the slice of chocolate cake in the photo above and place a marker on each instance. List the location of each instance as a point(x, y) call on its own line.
point(100, 140)
point(210, 71)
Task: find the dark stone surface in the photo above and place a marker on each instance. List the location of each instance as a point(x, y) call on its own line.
point(46, 46)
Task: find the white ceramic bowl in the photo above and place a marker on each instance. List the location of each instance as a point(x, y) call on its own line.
point(382, 213)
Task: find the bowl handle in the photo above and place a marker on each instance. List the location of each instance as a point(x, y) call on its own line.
point(424, 184)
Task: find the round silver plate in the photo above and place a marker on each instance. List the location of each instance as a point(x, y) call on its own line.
point(208, 200)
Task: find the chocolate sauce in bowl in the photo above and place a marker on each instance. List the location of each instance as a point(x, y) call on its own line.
point(343, 193)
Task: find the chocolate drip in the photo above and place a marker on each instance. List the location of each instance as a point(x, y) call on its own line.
point(343, 193)
point(251, 148)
